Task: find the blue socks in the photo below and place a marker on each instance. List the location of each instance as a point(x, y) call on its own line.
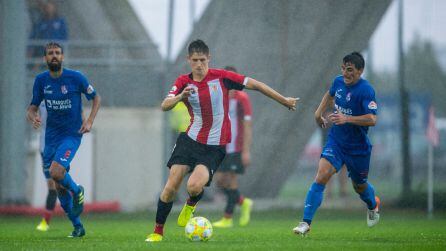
point(313, 201)
point(66, 202)
point(69, 184)
point(368, 196)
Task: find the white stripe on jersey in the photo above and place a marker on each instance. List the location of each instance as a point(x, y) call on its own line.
point(197, 123)
point(230, 147)
point(216, 95)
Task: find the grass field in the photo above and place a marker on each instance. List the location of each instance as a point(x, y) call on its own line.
point(331, 230)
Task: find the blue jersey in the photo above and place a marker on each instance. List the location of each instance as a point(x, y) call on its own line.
point(62, 97)
point(354, 100)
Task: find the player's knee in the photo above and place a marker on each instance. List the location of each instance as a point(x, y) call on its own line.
point(194, 188)
point(57, 173)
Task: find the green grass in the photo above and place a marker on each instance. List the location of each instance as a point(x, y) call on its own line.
point(331, 230)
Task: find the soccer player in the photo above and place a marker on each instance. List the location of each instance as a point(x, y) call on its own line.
point(200, 149)
point(60, 88)
point(238, 157)
point(347, 144)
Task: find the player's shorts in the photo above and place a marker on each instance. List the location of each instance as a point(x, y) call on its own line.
point(232, 163)
point(189, 152)
point(357, 165)
point(63, 153)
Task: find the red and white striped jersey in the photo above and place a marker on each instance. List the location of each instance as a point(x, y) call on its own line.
point(240, 110)
point(208, 105)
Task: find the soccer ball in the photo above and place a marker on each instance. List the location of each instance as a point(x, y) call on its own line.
point(198, 229)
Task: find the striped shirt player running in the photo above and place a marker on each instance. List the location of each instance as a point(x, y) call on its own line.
point(237, 159)
point(201, 149)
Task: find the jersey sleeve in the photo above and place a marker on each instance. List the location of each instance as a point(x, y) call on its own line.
point(86, 88)
point(246, 105)
point(234, 81)
point(37, 93)
point(369, 104)
point(177, 87)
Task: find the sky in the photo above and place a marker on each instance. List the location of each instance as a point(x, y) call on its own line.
point(423, 18)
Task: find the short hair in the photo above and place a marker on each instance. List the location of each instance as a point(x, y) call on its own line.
point(198, 46)
point(50, 45)
point(230, 68)
point(356, 59)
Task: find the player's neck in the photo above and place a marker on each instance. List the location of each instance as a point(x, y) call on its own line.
point(56, 74)
point(199, 77)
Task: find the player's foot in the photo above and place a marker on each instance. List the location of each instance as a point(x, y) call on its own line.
point(303, 228)
point(78, 202)
point(154, 237)
point(223, 223)
point(186, 213)
point(43, 226)
point(245, 212)
point(373, 215)
point(78, 231)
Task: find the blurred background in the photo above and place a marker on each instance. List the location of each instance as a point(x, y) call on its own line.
point(132, 51)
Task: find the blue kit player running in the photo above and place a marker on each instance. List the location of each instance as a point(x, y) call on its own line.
point(61, 88)
point(347, 144)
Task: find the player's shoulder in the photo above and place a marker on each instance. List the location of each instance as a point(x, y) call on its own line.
point(184, 78)
point(366, 86)
point(215, 72)
point(73, 73)
point(338, 79)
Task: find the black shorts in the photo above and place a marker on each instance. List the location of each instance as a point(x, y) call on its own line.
point(189, 152)
point(232, 163)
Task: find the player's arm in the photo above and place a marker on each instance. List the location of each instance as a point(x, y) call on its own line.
point(289, 102)
point(326, 102)
point(171, 101)
point(247, 139)
point(363, 120)
point(88, 123)
point(33, 116)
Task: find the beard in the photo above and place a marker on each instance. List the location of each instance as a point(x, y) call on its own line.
point(54, 66)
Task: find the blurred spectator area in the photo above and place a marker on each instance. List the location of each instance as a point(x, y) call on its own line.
point(109, 45)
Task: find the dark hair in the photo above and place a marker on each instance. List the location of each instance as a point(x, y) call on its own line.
point(356, 59)
point(50, 45)
point(198, 46)
point(230, 68)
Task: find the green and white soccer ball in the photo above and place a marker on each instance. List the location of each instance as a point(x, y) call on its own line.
point(198, 229)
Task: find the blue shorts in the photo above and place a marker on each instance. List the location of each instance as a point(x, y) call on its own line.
point(357, 165)
point(62, 153)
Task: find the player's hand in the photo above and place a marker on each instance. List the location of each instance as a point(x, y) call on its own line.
point(290, 103)
point(36, 122)
point(322, 122)
point(86, 126)
point(338, 118)
point(187, 92)
point(246, 159)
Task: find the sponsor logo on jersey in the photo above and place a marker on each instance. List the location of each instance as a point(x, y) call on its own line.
point(346, 111)
point(47, 90)
point(90, 89)
point(372, 105)
point(63, 89)
point(58, 104)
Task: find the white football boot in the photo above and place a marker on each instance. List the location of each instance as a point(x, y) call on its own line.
point(373, 215)
point(303, 228)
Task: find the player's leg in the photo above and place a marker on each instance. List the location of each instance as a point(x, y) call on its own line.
point(58, 170)
point(50, 201)
point(165, 202)
point(358, 167)
point(223, 181)
point(195, 187)
point(66, 202)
